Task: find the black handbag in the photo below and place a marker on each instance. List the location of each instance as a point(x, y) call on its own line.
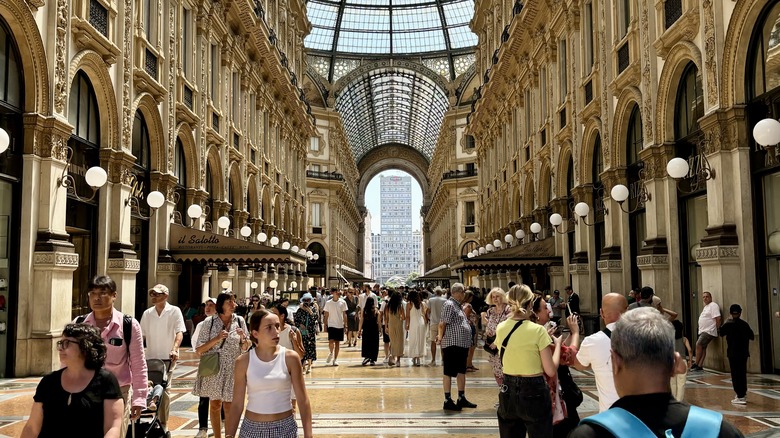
point(491, 350)
point(570, 392)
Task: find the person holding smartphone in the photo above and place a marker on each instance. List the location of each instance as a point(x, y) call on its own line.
point(306, 319)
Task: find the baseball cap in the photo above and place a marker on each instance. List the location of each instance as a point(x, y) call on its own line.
point(213, 300)
point(160, 289)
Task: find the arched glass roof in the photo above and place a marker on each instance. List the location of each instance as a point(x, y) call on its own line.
point(387, 106)
point(390, 28)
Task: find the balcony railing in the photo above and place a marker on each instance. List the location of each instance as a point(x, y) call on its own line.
point(454, 174)
point(335, 176)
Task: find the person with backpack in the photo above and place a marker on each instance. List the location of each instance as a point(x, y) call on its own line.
point(125, 357)
point(643, 362)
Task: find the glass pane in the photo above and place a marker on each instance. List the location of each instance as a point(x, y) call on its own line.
point(767, 61)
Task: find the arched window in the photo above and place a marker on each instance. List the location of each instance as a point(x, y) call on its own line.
point(180, 172)
point(11, 88)
point(81, 217)
point(210, 191)
point(139, 225)
point(141, 145)
point(689, 106)
point(598, 186)
point(763, 74)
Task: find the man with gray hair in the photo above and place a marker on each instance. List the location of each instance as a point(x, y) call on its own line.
point(435, 304)
point(643, 362)
point(455, 338)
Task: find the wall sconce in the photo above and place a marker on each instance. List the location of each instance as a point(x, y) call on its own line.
point(509, 239)
point(262, 237)
point(308, 254)
point(175, 215)
point(536, 228)
point(295, 249)
point(253, 285)
point(482, 250)
point(489, 247)
point(286, 245)
point(274, 241)
point(680, 169)
point(245, 231)
point(154, 199)
point(497, 244)
point(226, 285)
point(766, 133)
point(96, 177)
point(273, 283)
point(556, 220)
point(470, 254)
point(520, 234)
point(620, 194)
point(195, 211)
point(314, 256)
point(5, 140)
point(293, 285)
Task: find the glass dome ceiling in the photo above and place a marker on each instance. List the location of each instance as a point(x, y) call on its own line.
point(390, 28)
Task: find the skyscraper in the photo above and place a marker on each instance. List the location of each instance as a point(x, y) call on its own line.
point(396, 249)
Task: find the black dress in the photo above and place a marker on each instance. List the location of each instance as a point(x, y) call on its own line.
point(80, 411)
point(352, 320)
point(370, 347)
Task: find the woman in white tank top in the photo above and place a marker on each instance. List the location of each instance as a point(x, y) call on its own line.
point(267, 374)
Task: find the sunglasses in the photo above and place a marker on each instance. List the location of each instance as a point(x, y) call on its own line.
point(63, 344)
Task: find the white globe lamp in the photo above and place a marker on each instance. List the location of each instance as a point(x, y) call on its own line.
point(246, 231)
point(253, 285)
point(556, 219)
point(766, 132)
point(520, 234)
point(155, 199)
point(508, 238)
point(315, 256)
point(5, 140)
point(489, 247)
point(286, 245)
point(581, 209)
point(273, 284)
point(619, 193)
point(274, 240)
point(310, 254)
point(470, 255)
point(225, 284)
point(96, 177)
point(536, 227)
point(194, 211)
point(293, 284)
point(295, 248)
point(677, 168)
point(223, 222)
point(262, 237)
point(482, 250)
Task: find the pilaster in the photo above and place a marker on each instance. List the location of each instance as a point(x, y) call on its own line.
point(123, 271)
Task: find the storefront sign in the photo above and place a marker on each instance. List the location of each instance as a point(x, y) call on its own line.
point(190, 239)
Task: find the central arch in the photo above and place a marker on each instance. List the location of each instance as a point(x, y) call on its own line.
point(394, 156)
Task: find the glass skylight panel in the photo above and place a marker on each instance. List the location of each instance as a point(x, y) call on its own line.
point(319, 39)
point(416, 42)
point(371, 2)
point(366, 19)
point(416, 18)
point(321, 14)
point(458, 12)
point(462, 63)
point(362, 42)
point(461, 37)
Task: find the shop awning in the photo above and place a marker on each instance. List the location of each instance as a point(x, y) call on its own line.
point(435, 276)
point(189, 244)
point(539, 253)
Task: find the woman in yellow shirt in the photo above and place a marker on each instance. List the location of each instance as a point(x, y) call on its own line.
point(524, 400)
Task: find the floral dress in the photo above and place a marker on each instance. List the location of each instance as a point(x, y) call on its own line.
point(494, 318)
point(220, 386)
point(306, 321)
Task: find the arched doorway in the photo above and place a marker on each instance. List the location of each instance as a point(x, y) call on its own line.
point(11, 110)
point(139, 222)
point(637, 217)
point(317, 269)
point(81, 221)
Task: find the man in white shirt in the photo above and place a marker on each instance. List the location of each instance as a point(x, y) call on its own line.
point(163, 328)
point(596, 350)
point(709, 321)
point(435, 304)
point(335, 314)
point(367, 292)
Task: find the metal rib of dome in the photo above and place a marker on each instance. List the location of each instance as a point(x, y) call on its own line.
point(388, 106)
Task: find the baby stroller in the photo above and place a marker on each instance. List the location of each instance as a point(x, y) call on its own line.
point(148, 425)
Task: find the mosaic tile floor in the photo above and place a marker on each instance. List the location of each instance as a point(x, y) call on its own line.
point(355, 401)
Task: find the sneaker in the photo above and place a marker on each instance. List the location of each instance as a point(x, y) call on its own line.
point(335, 364)
point(463, 403)
point(450, 405)
point(202, 433)
point(373, 362)
point(739, 401)
point(330, 358)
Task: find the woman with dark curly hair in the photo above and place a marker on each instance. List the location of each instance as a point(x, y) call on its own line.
point(81, 394)
point(395, 317)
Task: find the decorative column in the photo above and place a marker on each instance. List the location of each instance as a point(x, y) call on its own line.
point(122, 263)
point(580, 264)
point(205, 286)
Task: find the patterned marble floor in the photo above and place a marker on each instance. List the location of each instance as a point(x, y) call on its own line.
point(355, 401)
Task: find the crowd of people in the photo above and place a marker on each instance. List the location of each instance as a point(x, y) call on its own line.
point(259, 352)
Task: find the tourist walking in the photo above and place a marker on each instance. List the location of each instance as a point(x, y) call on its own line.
point(225, 334)
point(417, 326)
point(498, 312)
point(306, 321)
point(82, 397)
point(524, 401)
point(352, 317)
point(210, 309)
point(394, 321)
point(335, 314)
point(163, 329)
point(266, 377)
point(369, 332)
point(125, 357)
point(738, 336)
point(435, 304)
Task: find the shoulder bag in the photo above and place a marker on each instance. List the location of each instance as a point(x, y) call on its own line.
point(209, 362)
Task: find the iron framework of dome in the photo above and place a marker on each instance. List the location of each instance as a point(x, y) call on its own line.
point(434, 31)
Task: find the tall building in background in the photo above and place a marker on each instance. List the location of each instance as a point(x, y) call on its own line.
point(396, 248)
point(368, 248)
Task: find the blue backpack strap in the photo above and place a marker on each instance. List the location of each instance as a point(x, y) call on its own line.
point(702, 423)
point(620, 423)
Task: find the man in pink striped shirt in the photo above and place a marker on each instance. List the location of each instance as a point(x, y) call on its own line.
point(126, 361)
